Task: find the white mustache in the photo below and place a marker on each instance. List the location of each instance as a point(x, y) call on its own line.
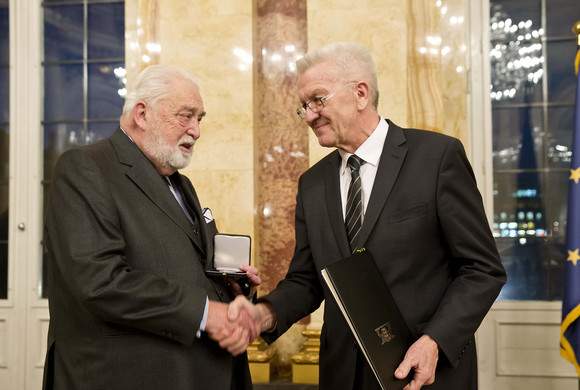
point(187, 140)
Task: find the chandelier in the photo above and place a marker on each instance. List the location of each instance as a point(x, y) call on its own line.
point(516, 56)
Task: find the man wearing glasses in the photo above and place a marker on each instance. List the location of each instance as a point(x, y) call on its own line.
point(407, 196)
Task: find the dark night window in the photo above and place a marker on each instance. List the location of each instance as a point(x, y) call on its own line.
point(84, 76)
point(532, 92)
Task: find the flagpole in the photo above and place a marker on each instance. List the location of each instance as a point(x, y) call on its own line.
point(576, 31)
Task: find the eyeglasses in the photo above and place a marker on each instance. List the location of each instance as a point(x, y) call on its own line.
point(317, 104)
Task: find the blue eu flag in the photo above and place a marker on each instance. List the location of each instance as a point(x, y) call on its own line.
point(570, 332)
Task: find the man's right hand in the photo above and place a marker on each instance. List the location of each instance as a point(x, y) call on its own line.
point(233, 334)
point(262, 316)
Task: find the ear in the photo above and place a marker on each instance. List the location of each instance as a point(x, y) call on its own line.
point(362, 95)
point(139, 114)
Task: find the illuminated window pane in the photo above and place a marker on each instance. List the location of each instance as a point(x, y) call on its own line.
point(532, 134)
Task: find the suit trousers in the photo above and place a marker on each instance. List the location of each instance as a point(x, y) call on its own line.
point(364, 378)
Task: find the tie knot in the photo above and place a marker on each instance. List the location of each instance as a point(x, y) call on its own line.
point(354, 162)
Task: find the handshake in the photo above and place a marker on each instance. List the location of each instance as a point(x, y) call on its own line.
point(236, 325)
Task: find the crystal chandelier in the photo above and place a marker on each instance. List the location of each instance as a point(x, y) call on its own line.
point(516, 56)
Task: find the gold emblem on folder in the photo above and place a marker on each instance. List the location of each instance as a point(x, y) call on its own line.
point(385, 333)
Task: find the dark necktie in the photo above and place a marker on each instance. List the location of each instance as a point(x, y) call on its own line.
point(353, 219)
point(177, 194)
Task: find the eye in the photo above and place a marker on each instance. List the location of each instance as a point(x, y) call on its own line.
point(184, 117)
point(318, 101)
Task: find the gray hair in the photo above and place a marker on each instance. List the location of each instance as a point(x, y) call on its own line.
point(353, 61)
point(153, 84)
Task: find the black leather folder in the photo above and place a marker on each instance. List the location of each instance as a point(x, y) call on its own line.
point(372, 314)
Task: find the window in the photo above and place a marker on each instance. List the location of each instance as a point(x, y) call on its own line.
point(532, 92)
point(4, 143)
point(84, 76)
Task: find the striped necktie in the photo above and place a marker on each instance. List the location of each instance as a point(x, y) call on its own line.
point(353, 219)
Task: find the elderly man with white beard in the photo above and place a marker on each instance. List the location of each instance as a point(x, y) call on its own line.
point(126, 242)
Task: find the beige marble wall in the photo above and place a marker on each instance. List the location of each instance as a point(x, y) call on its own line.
point(422, 40)
point(213, 40)
point(381, 26)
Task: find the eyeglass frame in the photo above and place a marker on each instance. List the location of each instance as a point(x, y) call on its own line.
point(301, 111)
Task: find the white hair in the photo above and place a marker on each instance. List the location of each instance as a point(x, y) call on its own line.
point(153, 84)
point(353, 61)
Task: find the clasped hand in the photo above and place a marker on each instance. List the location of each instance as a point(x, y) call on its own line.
point(236, 325)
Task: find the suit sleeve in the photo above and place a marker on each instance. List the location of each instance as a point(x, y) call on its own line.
point(475, 265)
point(87, 248)
point(300, 292)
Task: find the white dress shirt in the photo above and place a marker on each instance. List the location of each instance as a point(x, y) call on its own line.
point(370, 152)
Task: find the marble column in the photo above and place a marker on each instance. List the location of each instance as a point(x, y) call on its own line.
point(280, 136)
point(455, 69)
point(437, 66)
point(424, 66)
point(280, 146)
point(142, 37)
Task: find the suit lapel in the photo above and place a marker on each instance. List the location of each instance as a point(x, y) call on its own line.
point(194, 207)
point(142, 172)
point(333, 202)
point(390, 164)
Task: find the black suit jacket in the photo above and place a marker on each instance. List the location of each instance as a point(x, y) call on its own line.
point(127, 287)
point(425, 227)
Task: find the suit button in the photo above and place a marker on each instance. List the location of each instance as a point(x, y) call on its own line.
point(221, 293)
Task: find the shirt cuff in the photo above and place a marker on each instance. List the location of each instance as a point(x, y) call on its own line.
point(203, 319)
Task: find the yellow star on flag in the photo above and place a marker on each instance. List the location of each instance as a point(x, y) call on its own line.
point(575, 174)
point(573, 256)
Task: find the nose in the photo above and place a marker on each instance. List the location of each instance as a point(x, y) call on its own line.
point(194, 130)
point(311, 115)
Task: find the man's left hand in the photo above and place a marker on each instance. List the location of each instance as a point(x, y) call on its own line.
point(422, 356)
point(253, 278)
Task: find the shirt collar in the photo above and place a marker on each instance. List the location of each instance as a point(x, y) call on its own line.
point(126, 134)
point(370, 151)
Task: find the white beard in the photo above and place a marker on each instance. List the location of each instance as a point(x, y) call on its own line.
point(165, 155)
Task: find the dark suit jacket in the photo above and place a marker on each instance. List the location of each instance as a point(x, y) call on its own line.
point(127, 287)
point(425, 227)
